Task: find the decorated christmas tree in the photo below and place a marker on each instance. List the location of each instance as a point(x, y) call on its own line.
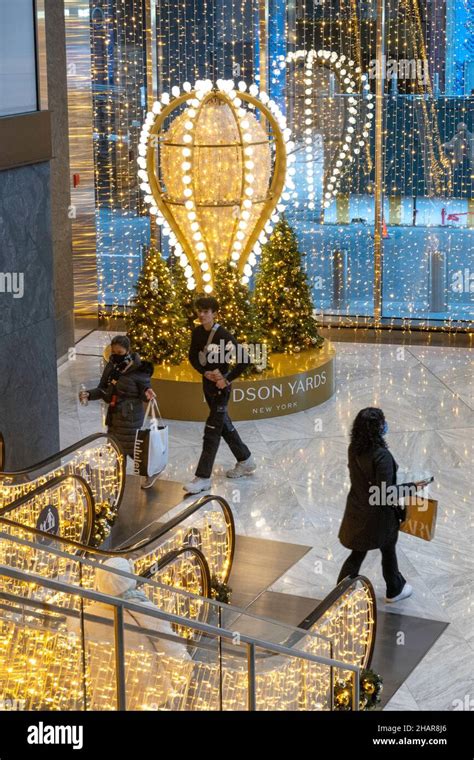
point(237, 314)
point(184, 297)
point(156, 324)
point(282, 298)
point(235, 307)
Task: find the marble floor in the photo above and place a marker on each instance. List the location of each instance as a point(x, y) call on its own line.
point(298, 492)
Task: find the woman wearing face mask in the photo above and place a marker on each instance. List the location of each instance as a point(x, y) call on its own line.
point(371, 518)
point(124, 386)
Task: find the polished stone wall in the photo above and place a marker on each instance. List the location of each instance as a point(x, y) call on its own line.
point(28, 376)
point(60, 176)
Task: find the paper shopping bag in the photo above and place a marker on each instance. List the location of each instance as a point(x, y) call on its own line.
point(420, 519)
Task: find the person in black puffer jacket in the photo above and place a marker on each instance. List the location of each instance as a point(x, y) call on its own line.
point(125, 384)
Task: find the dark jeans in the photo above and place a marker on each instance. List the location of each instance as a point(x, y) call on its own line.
point(393, 577)
point(219, 424)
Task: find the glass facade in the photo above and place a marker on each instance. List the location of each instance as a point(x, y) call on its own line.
point(18, 93)
point(317, 59)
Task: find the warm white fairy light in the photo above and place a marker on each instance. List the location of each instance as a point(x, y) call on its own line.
point(197, 98)
point(347, 73)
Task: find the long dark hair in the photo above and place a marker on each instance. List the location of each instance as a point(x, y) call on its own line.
point(367, 428)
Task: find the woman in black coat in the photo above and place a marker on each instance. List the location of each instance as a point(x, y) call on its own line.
point(125, 384)
point(371, 516)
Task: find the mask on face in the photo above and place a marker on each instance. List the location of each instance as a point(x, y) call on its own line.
point(385, 428)
point(119, 358)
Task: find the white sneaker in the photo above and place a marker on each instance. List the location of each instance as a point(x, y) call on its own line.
point(149, 481)
point(242, 468)
point(197, 484)
point(404, 594)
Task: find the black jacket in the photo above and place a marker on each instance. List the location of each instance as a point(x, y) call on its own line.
point(125, 413)
point(222, 339)
point(368, 526)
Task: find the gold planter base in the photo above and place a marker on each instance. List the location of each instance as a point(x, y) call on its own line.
point(294, 383)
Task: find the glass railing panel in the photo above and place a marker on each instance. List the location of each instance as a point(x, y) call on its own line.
point(349, 623)
point(98, 460)
point(48, 557)
point(209, 529)
point(68, 644)
point(211, 671)
point(41, 665)
point(64, 508)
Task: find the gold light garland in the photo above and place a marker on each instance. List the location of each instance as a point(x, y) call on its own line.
point(101, 465)
point(44, 668)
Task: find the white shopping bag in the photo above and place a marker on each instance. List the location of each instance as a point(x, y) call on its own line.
point(151, 443)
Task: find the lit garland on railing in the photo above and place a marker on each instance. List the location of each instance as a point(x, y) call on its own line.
point(102, 467)
point(44, 667)
point(207, 530)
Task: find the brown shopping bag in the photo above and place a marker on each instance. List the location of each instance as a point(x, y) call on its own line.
point(420, 518)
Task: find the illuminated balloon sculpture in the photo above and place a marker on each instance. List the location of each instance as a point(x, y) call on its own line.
point(213, 175)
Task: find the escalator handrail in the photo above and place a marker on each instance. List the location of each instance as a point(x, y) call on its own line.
point(190, 510)
point(60, 454)
point(55, 458)
point(90, 563)
point(47, 486)
point(163, 562)
point(168, 558)
point(331, 599)
point(173, 523)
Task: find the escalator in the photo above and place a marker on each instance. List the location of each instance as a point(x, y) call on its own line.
point(97, 459)
point(64, 505)
point(61, 651)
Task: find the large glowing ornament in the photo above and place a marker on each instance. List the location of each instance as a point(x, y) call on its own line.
point(355, 130)
point(213, 176)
